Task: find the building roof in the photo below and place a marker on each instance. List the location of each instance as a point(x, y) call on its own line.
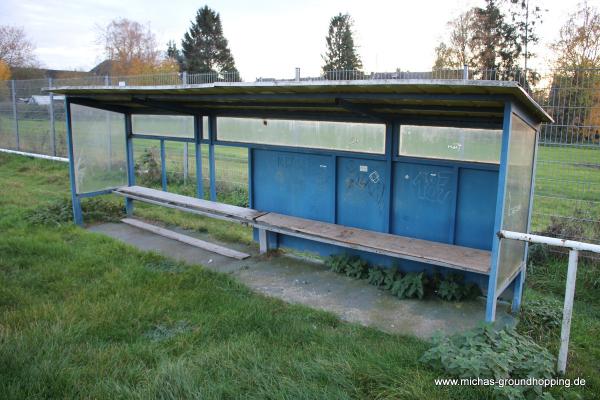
point(434, 100)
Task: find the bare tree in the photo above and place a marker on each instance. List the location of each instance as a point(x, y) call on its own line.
point(16, 49)
point(131, 47)
point(578, 45)
point(459, 49)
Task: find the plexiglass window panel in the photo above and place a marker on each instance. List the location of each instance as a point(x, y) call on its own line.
point(163, 125)
point(464, 144)
point(343, 136)
point(516, 197)
point(98, 148)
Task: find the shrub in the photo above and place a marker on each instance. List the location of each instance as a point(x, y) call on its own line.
point(540, 319)
point(452, 288)
point(337, 263)
point(376, 276)
point(391, 275)
point(357, 268)
point(147, 169)
point(410, 286)
point(488, 354)
point(61, 212)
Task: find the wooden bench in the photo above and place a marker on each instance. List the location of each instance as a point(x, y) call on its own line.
point(441, 254)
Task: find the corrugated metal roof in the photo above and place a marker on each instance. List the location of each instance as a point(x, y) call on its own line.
point(379, 99)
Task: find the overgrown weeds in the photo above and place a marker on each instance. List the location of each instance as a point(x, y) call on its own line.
point(404, 286)
point(486, 353)
point(60, 212)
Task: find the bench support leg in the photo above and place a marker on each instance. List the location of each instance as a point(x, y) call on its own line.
point(263, 240)
point(518, 291)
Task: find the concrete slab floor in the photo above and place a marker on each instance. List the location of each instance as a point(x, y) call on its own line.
point(298, 280)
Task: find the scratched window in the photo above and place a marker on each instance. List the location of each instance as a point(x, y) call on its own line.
point(163, 125)
point(516, 198)
point(343, 136)
point(464, 144)
point(98, 148)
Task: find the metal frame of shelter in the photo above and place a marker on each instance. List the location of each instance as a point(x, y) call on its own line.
point(451, 103)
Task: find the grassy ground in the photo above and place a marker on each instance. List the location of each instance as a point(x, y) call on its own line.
point(83, 316)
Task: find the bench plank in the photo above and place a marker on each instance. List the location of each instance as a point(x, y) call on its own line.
point(213, 208)
point(442, 254)
point(214, 248)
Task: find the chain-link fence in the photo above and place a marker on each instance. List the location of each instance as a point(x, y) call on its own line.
point(567, 194)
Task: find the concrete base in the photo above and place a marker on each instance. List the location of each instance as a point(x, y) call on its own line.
point(301, 281)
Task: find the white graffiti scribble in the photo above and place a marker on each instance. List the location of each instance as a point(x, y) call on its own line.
point(374, 177)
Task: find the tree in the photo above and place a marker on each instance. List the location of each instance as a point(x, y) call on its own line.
point(341, 53)
point(16, 49)
point(174, 54)
point(131, 49)
point(204, 47)
point(459, 50)
point(491, 41)
point(4, 71)
point(576, 80)
point(578, 45)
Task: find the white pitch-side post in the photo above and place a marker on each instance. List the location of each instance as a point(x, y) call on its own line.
point(574, 249)
point(567, 311)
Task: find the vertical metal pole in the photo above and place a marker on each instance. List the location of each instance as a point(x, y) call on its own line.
point(490, 311)
point(520, 280)
point(130, 161)
point(15, 117)
point(465, 72)
point(77, 215)
point(212, 131)
point(198, 155)
point(52, 124)
point(297, 74)
point(567, 312)
point(185, 163)
point(109, 129)
point(163, 165)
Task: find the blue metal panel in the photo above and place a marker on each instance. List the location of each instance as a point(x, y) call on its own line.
point(212, 134)
point(490, 310)
point(198, 155)
point(130, 161)
point(163, 166)
point(77, 216)
point(476, 208)
point(423, 201)
point(294, 184)
point(362, 190)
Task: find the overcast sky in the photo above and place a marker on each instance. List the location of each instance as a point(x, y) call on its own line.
point(268, 38)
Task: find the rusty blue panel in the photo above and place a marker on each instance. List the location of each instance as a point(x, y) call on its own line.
point(423, 201)
point(362, 187)
point(476, 208)
point(295, 184)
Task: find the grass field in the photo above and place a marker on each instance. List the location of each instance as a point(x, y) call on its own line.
point(84, 316)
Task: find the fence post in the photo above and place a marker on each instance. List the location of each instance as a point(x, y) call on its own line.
point(109, 129)
point(185, 163)
point(466, 72)
point(15, 117)
point(184, 78)
point(297, 74)
point(51, 112)
point(567, 311)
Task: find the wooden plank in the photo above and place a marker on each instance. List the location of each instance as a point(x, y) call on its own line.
point(446, 255)
point(215, 248)
point(241, 214)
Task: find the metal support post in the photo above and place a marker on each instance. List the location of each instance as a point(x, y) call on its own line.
point(77, 215)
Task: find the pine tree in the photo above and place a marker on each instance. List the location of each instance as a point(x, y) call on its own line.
point(204, 48)
point(175, 54)
point(341, 53)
